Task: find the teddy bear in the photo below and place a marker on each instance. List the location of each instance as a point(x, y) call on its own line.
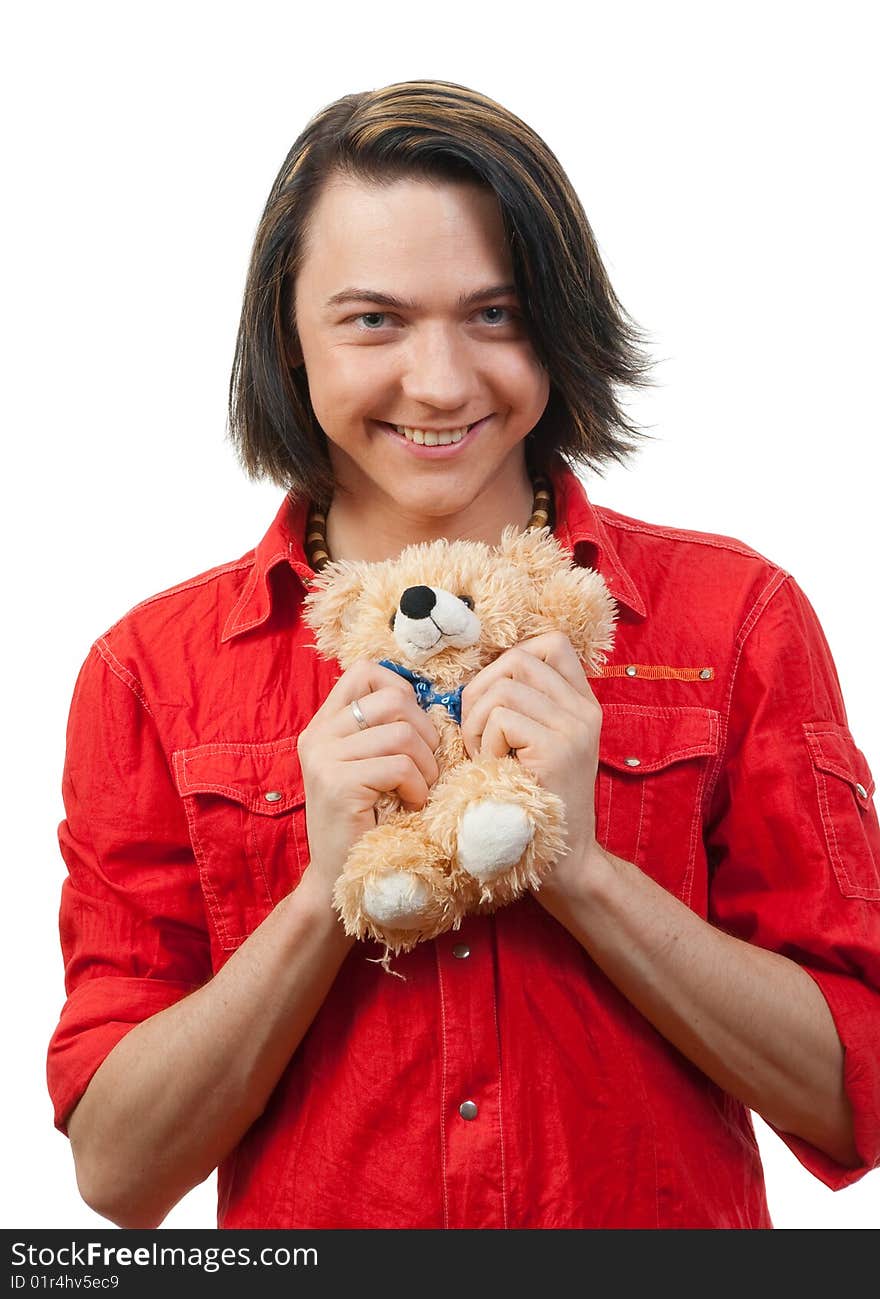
point(436, 614)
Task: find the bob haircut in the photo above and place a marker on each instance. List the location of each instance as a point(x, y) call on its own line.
point(437, 130)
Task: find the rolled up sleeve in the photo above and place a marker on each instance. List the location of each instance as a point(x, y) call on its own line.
point(132, 925)
point(793, 845)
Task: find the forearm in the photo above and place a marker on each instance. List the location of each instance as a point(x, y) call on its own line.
point(752, 1020)
point(177, 1093)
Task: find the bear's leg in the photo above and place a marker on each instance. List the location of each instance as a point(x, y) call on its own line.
point(500, 828)
point(492, 836)
point(395, 885)
point(397, 900)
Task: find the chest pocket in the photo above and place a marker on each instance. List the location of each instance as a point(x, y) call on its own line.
point(245, 806)
point(650, 786)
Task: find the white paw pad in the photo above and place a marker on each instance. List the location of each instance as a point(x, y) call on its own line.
point(491, 837)
point(396, 901)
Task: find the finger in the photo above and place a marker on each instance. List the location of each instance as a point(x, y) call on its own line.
point(555, 649)
point(382, 695)
point(392, 774)
point(522, 699)
point(381, 707)
point(409, 707)
point(393, 739)
point(360, 679)
point(519, 664)
point(508, 730)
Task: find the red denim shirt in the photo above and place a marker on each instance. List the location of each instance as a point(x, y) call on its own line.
point(727, 772)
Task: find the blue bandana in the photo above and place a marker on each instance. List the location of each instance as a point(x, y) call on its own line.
point(425, 693)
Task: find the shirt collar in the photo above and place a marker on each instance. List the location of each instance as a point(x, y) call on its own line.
point(579, 528)
point(285, 540)
point(579, 525)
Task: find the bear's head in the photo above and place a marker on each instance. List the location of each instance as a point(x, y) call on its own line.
point(448, 608)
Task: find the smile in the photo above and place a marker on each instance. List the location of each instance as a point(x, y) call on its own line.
point(430, 438)
point(434, 442)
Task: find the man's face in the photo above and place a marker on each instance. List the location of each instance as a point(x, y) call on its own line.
point(434, 362)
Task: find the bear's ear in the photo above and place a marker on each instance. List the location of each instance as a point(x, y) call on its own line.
point(577, 602)
point(329, 605)
point(536, 551)
point(563, 595)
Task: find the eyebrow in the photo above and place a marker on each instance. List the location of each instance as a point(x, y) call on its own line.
point(386, 300)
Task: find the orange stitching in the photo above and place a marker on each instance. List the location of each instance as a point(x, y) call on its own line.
point(656, 672)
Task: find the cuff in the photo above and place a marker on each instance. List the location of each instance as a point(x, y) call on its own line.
point(96, 1016)
point(855, 1009)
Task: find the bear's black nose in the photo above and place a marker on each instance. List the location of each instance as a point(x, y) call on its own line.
point(417, 601)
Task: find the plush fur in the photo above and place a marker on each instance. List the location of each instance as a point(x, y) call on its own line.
point(489, 830)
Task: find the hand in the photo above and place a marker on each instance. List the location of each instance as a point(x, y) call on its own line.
point(346, 769)
point(535, 699)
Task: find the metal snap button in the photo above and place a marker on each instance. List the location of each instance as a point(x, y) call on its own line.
point(632, 671)
point(705, 674)
point(273, 795)
point(633, 762)
point(467, 1110)
point(860, 789)
point(461, 950)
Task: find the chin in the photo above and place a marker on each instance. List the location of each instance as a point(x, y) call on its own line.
point(436, 506)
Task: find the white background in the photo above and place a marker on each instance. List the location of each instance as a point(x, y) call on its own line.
point(725, 158)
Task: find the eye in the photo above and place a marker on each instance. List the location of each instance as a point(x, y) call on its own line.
point(496, 321)
point(373, 321)
point(391, 620)
point(466, 599)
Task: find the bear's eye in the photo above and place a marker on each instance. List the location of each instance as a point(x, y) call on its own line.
point(466, 599)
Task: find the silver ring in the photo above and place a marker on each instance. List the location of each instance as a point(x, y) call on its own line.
point(358, 715)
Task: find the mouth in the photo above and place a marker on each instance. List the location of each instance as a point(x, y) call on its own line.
point(430, 443)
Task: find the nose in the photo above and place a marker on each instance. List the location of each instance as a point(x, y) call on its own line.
point(417, 601)
point(438, 373)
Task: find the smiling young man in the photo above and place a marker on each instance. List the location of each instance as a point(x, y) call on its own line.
point(710, 940)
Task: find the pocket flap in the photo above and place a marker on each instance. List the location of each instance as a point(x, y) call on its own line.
point(638, 738)
point(834, 751)
point(265, 778)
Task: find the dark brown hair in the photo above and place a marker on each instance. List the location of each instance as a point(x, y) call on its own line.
point(443, 131)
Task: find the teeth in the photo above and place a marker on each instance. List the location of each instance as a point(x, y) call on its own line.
point(430, 439)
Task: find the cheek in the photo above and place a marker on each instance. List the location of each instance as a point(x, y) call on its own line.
point(527, 380)
point(346, 389)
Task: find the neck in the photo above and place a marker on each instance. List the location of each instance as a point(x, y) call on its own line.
point(360, 527)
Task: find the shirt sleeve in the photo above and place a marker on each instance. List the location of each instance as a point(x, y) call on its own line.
point(132, 925)
point(794, 845)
